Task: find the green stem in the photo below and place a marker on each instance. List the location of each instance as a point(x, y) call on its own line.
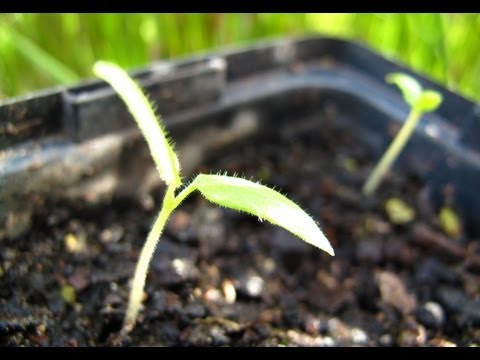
point(146, 255)
point(170, 203)
point(184, 193)
point(392, 153)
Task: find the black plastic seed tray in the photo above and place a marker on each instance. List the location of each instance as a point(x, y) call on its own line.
point(80, 141)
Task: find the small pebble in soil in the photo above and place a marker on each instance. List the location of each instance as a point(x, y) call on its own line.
point(218, 336)
point(175, 271)
point(386, 340)
point(254, 286)
point(112, 234)
point(250, 285)
point(359, 337)
point(393, 292)
point(146, 201)
point(300, 339)
point(346, 335)
point(268, 265)
point(431, 315)
point(184, 268)
point(439, 342)
point(75, 243)
point(375, 225)
point(229, 291)
point(339, 331)
point(312, 325)
point(415, 336)
point(213, 295)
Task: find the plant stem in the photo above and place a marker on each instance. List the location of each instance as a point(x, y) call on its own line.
point(146, 254)
point(392, 153)
point(184, 193)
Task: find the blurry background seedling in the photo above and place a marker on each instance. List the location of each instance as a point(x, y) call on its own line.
point(450, 222)
point(420, 101)
point(231, 192)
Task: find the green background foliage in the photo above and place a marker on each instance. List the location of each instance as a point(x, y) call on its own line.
point(41, 50)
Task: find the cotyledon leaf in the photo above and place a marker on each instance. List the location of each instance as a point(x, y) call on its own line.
point(429, 101)
point(413, 93)
point(263, 202)
point(410, 88)
point(138, 104)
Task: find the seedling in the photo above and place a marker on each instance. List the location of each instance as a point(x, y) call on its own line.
point(228, 191)
point(420, 101)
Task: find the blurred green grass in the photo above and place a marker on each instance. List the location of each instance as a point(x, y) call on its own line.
point(42, 50)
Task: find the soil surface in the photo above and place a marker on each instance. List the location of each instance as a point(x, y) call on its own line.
point(221, 278)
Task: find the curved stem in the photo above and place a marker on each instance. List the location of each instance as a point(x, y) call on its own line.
point(146, 255)
point(392, 153)
point(184, 193)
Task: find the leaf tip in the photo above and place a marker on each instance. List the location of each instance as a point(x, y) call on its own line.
point(326, 246)
point(330, 250)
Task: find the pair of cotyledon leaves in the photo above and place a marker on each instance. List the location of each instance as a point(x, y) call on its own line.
point(415, 96)
point(231, 192)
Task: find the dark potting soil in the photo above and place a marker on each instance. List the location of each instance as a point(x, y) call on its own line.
point(223, 278)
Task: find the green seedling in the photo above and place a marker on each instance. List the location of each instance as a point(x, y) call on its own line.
point(228, 191)
point(420, 101)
